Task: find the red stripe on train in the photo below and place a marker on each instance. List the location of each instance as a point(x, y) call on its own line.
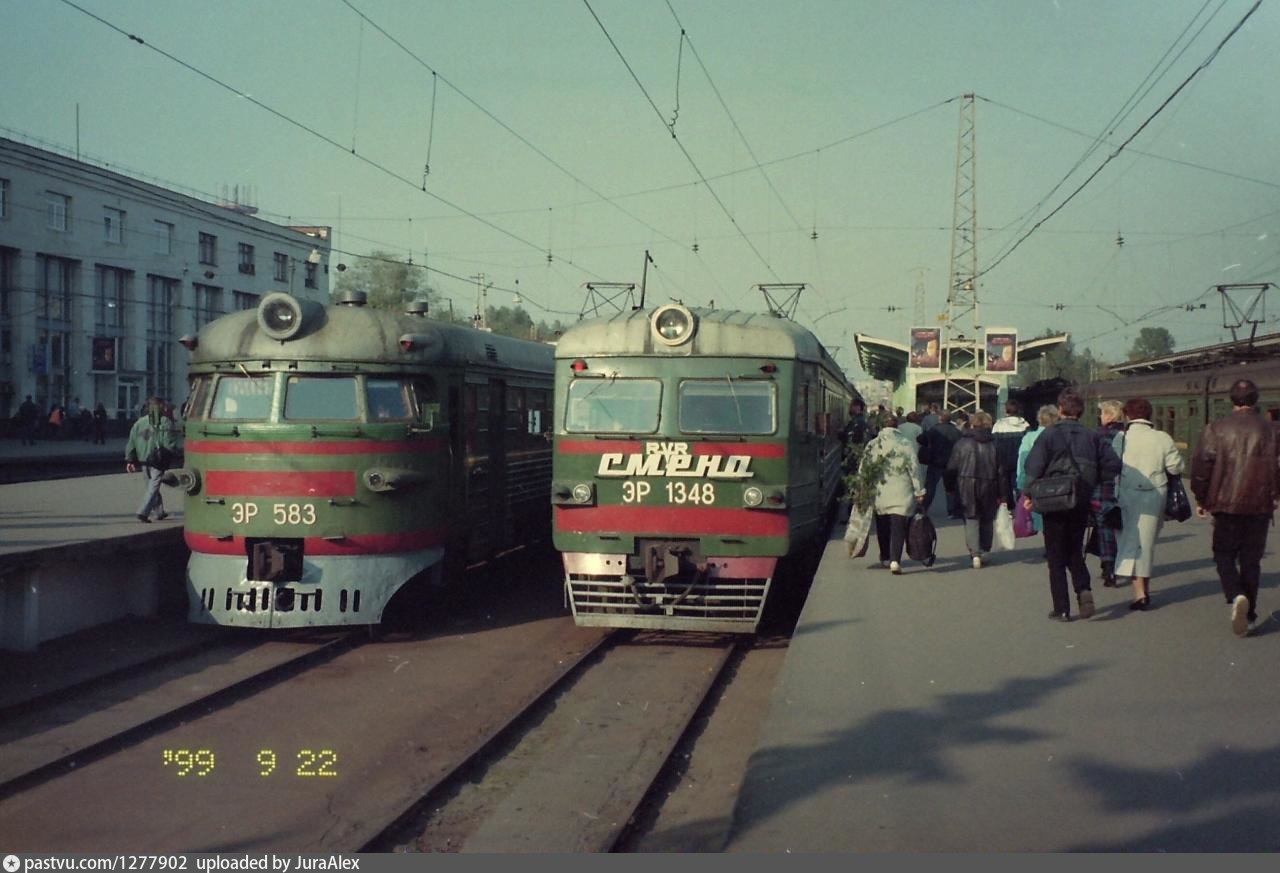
point(278, 483)
point(670, 520)
point(629, 447)
point(352, 545)
point(315, 447)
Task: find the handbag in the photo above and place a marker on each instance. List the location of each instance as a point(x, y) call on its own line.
point(1002, 538)
point(1060, 488)
point(1177, 506)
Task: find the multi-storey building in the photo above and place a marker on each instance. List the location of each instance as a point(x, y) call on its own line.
point(101, 274)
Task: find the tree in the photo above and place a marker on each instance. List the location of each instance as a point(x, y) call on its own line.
point(1152, 342)
point(1065, 362)
point(389, 282)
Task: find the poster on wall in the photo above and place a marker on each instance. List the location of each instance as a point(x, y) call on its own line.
point(104, 354)
point(926, 350)
point(1002, 350)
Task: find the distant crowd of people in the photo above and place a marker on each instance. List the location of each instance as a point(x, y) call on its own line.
point(1116, 480)
point(72, 421)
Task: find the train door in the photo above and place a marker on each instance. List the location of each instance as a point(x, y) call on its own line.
point(499, 505)
point(484, 468)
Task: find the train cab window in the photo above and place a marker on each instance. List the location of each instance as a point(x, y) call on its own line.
point(727, 406)
point(320, 398)
point(197, 398)
point(387, 400)
point(613, 406)
point(243, 398)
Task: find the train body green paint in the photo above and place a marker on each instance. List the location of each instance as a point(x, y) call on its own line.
point(335, 454)
point(693, 450)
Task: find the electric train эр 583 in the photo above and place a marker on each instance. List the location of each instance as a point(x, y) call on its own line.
point(694, 448)
point(334, 453)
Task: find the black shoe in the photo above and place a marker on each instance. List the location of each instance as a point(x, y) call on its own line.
point(1059, 616)
point(143, 519)
point(1141, 603)
point(1108, 580)
point(162, 516)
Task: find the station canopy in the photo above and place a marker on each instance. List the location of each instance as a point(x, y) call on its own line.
point(887, 359)
point(1258, 348)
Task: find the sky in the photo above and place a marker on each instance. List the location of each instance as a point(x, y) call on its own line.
point(815, 142)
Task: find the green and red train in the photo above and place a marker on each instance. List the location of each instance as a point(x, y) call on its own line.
point(694, 449)
point(334, 454)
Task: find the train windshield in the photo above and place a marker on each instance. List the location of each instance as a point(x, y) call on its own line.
point(613, 406)
point(388, 400)
point(727, 405)
point(197, 397)
point(243, 398)
point(320, 398)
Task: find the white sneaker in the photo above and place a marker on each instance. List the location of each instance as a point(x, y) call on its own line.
point(895, 568)
point(1240, 616)
point(977, 562)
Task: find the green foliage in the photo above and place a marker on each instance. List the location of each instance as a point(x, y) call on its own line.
point(1151, 342)
point(388, 280)
point(1064, 362)
point(869, 474)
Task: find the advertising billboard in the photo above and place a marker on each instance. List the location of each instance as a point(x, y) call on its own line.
point(1001, 350)
point(925, 350)
point(104, 354)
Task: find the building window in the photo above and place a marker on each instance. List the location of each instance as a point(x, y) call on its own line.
point(246, 258)
point(282, 267)
point(53, 293)
point(113, 287)
point(208, 249)
point(158, 381)
point(4, 198)
point(311, 276)
point(244, 300)
point(161, 293)
point(58, 211)
point(8, 270)
point(112, 225)
point(164, 237)
point(208, 304)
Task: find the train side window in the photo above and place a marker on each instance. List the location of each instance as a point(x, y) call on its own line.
point(243, 398)
point(197, 398)
point(387, 400)
point(427, 399)
point(320, 398)
point(1171, 415)
point(472, 418)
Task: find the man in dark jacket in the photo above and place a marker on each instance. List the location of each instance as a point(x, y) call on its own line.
point(978, 488)
point(1064, 530)
point(1235, 476)
point(936, 444)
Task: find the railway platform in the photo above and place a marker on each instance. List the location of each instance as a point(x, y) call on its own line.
point(940, 711)
point(73, 555)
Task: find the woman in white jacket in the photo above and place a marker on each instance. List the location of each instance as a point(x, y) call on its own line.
point(899, 491)
point(1149, 457)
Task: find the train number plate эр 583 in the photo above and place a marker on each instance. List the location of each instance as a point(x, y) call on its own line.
point(281, 513)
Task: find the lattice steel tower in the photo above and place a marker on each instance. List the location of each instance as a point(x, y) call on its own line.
point(961, 363)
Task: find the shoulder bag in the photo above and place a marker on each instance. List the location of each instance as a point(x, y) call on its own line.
point(1060, 488)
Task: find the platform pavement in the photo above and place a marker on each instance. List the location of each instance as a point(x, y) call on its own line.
point(12, 449)
point(61, 512)
point(940, 710)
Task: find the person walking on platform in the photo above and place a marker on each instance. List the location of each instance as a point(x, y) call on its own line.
point(979, 487)
point(898, 492)
point(152, 443)
point(1007, 433)
point(1068, 444)
point(1235, 476)
point(56, 417)
point(936, 444)
point(911, 429)
point(1106, 514)
point(1148, 457)
point(100, 424)
point(930, 417)
point(1047, 417)
point(28, 420)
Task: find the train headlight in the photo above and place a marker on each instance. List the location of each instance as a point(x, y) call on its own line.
point(280, 316)
point(752, 496)
point(582, 493)
point(672, 324)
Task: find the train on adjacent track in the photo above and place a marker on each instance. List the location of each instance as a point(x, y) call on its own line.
point(336, 454)
point(1184, 401)
point(693, 449)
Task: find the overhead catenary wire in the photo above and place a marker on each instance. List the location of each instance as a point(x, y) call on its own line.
point(1120, 148)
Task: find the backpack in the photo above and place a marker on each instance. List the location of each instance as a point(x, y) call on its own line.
point(922, 539)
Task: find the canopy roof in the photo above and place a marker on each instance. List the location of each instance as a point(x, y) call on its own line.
point(887, 359)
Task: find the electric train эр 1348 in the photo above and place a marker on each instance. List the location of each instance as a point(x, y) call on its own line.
point(334, 453)
point(694, 448)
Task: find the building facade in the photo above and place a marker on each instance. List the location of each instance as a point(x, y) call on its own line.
point(101, 274)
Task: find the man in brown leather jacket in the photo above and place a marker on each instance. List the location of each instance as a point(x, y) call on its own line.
point(1235, 475)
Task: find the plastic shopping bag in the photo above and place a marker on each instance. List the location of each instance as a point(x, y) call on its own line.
point(1023, 524)
point(858, 532)
point(1002, 538)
